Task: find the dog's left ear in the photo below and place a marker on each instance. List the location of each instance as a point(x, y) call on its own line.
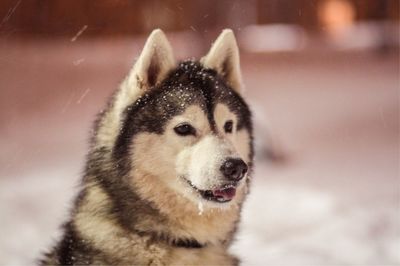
point(224, 58)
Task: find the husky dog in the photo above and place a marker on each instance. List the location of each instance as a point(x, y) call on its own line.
point(169, 165)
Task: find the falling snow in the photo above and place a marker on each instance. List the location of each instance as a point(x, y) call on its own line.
point(79, 33)
point(82, 96)
point(79, 61)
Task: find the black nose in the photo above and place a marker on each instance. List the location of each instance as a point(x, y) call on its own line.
point(234, 169)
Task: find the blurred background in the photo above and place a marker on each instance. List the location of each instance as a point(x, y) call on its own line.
point(322, 77)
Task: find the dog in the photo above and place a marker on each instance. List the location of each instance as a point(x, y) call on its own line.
point(169, 164)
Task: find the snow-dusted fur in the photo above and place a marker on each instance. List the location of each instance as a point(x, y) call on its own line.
point(156, 155)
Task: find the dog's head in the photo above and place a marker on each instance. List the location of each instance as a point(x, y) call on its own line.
point(185, 125)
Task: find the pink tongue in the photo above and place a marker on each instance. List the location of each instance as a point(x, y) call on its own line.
point(226, 193)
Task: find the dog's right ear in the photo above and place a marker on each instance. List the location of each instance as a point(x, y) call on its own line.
point(153, 64)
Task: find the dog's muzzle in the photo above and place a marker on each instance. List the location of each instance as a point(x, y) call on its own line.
point(233, 169)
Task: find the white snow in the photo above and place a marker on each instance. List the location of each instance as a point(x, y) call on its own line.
point(286, 224)
point(200, 207)
point(79, 33)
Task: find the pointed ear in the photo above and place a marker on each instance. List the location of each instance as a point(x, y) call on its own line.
point(223, 57)
point(152, 66)
point(155, 61)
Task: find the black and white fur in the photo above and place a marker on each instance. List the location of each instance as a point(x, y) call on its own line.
point(169, 165)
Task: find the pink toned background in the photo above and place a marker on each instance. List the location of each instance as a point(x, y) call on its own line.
point(325, 96)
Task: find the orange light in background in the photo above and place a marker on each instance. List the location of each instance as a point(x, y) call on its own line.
point(336, 16)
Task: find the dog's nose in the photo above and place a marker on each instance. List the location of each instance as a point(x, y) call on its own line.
point(234, 169)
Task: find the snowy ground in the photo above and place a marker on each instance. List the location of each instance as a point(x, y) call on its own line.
point(334, 201)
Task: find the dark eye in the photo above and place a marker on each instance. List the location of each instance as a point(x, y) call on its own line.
point(185, 130)
point(228, 126)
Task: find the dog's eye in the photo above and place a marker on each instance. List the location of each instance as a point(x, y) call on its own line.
point(228, 126)
point(185, 130)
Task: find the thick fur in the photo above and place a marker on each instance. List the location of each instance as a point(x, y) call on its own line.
point(135, 205)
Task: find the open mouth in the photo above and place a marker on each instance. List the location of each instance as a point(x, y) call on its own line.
point(224, 194)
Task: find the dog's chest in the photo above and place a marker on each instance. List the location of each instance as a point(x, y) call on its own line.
point(211, 255)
